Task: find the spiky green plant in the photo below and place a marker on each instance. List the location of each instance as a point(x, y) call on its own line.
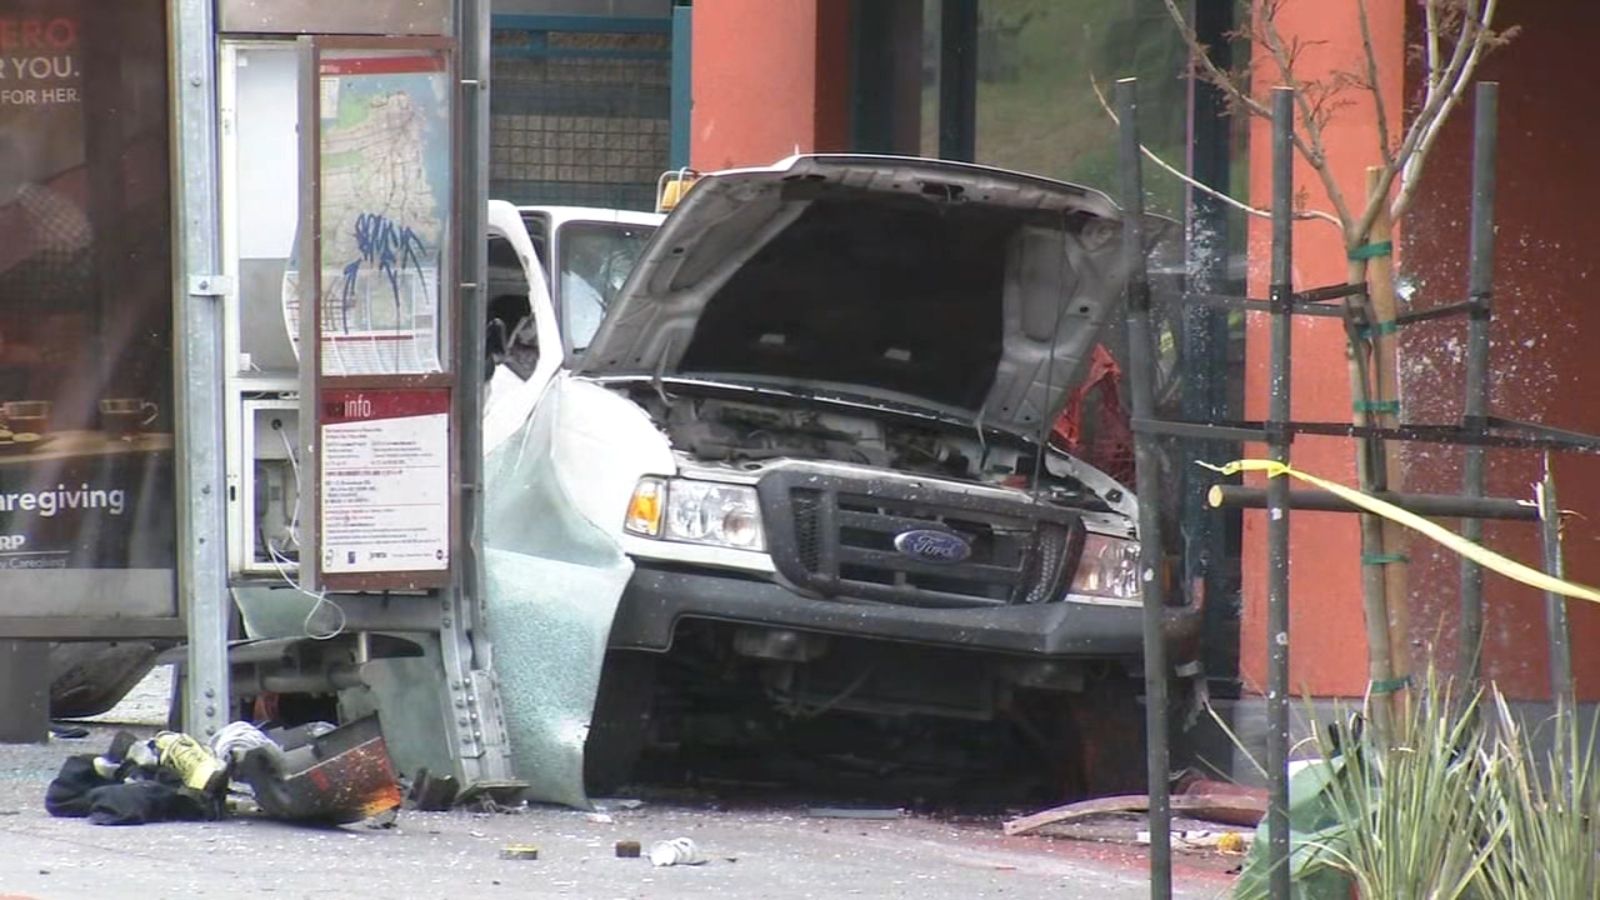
point(1461, 806)
point(1546, 805)
point(1418, 820)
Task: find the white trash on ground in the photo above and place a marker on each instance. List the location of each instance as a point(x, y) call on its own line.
point(676, 852)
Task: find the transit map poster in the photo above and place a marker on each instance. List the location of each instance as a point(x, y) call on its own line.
point(384, 149)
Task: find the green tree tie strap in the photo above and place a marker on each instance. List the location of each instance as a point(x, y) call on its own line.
point(1383, 559)
point(1379, 329)
point(1373, 251)
point(1377, 406)
point(1390, 685)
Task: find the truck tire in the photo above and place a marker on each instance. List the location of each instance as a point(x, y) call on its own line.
point(621, 721)
point(1109, 721)
point(1093, 740)
point(88, 678)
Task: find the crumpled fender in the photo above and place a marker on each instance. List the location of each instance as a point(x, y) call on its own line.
point(555, 492)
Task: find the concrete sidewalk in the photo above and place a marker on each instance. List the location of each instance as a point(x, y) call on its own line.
point(779, 852)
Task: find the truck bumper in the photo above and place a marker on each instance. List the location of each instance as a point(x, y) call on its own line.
point(656, 599)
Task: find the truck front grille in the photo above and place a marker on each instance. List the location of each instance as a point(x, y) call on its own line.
point(834, 535)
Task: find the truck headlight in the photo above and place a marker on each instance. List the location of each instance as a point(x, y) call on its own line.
point(1108, 567)
point(696, 512)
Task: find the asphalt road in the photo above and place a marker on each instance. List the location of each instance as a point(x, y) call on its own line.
point(754, 851)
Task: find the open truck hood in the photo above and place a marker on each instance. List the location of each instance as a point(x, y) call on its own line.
point(955, 286)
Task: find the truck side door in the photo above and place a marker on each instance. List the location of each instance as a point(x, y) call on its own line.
point(524, 342)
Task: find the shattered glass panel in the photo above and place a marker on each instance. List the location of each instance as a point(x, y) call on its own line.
point(553, 582)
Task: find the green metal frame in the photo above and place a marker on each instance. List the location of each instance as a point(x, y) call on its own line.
point(538, 27)
point(682, 83)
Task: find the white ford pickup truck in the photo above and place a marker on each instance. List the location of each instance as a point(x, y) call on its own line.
point(800, 424)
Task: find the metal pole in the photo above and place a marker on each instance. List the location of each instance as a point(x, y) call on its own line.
point(202, 509)
point(1480, 293)
point(1446, 506)
point(1281, 297)
point(1141, 370)
point(1555, 605)
point(1205, 344)
point(958, 79)
point(474, 35)
point(474, 715)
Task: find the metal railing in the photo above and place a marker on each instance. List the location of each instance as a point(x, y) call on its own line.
point(1478, 430)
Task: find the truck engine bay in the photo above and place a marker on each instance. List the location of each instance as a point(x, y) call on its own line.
point(713, 430)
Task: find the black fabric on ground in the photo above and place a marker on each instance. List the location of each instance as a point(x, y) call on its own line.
point(68, 795)
point(138, 802)
point(156, 795)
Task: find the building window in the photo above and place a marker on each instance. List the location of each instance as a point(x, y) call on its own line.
point(1026, 100)
point(1035, 109)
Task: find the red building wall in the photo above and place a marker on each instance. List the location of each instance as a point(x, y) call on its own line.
point(1546, 276)
point(1539, 369)
point(1327, 635)
point(769, 78)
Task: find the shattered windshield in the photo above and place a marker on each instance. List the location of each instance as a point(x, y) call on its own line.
point(596, 258)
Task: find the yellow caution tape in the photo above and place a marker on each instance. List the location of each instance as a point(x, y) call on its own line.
point(1479, 554)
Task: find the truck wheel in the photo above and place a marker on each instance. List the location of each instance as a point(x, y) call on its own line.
point(1108, 720)
point(1093, 742)
point(88, 678)
point(621, 720)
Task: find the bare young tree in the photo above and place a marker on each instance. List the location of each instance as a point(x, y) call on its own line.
point(1457, 35)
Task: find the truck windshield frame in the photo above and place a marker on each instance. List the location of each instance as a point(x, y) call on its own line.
point(594, 260)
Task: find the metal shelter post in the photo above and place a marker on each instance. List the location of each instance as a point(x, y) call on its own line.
point(1480, 294)
point(474, 715)
point(474, 202)
point(202, 505)
point(1278, 416)
point(1147, 466)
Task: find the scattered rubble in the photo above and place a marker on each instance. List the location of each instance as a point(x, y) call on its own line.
point(827, 812)
point(1231, 809)
point(676, 852)
point(1231, 842)
point(315, 773)
point(519, 851)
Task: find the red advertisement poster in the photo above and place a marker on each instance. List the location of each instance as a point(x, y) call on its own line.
point(87, 509)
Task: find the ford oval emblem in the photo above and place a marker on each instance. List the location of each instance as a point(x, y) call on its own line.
point(927, 545)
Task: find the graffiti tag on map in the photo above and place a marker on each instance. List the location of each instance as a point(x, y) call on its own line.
point(385, 143)
point(392, 247)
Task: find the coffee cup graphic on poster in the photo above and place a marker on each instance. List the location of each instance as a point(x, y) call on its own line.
point(27, 416)
point(126, 416)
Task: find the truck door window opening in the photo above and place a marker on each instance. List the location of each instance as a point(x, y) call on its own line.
point(596, 258)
